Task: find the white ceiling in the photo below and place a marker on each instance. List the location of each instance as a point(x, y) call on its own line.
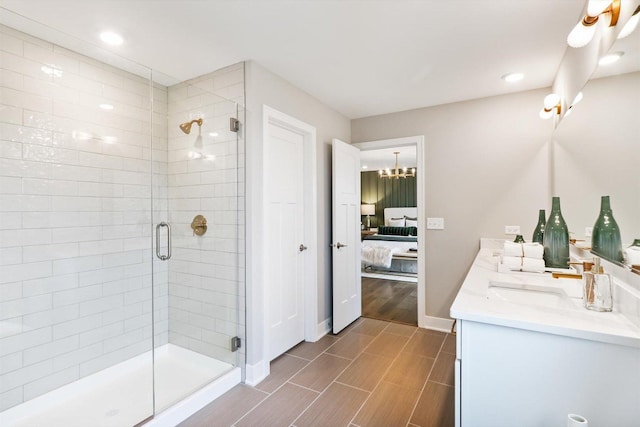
point(362, 58)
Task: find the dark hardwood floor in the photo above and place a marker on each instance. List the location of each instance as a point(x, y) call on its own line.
point(390, 300)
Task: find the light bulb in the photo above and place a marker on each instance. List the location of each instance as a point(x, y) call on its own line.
point(610, 58)
point(577, 99)
point(596, 7)
point(551, 100)
point(631, 25)
point(546, 114)
point(580, 35)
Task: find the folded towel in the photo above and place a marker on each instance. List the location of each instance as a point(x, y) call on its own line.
point(533, 265)
point(514, 262)
point(378, 256)
point(632, 255)
point(512, 249)
point(533, 250)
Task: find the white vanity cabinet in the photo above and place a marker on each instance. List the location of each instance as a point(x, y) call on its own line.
point(529, 354)
point(507, 376)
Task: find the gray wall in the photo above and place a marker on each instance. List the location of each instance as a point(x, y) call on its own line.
point(266, 88)
point(486, 166)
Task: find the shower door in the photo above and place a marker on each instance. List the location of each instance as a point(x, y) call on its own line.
point(197, 213)
point(75, 271)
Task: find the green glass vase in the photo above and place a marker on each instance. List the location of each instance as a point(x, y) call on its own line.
point(556, 238)
point(538, 233)
point(605, 237)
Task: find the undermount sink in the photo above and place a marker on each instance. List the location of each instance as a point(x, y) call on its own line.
point(528, 294)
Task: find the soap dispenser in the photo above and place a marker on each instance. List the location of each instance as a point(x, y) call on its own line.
point(597, 294)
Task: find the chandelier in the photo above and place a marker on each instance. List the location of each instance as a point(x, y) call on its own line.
point(397, 173)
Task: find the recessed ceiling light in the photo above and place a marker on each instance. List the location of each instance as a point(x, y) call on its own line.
point(107, 107)
point(513, 77)
point(610, 58)
point(109, 37)
point(364, 166)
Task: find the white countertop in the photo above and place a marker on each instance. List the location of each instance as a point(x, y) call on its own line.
point(472, 304)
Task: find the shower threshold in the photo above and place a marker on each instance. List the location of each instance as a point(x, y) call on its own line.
point(121, 395)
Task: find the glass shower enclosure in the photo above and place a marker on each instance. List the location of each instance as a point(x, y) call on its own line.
point(121, 233)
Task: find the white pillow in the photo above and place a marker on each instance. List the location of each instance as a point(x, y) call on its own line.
point(411, 222)
point(396, 222)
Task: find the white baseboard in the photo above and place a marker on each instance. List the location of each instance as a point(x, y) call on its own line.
point(436, 323)
point(324, 328)
point(256, 372)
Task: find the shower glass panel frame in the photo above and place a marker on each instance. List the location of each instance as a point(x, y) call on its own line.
point(90, 162)
point(197, 175)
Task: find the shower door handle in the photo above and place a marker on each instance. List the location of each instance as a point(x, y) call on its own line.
point(158, 254)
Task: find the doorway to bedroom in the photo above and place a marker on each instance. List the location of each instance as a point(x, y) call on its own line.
point(391, 195)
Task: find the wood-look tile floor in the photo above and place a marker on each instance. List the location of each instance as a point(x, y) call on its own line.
point(391, 300)
point(374, 373)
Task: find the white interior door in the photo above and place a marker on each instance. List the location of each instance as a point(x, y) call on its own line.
point(284, 234)
point(347, 305)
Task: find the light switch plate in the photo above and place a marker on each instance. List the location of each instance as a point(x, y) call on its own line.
point(512, 229)
point(435, 223)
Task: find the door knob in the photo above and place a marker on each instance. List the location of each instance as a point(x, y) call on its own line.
point(338, 245)
point(302, 247)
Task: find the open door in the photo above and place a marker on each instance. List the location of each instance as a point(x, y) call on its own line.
point(346, 245)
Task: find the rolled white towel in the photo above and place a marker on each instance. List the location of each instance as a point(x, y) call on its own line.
point(513, 262)
point(512, 249)
point(533, 265)
point(533, 250)
point(632, 254)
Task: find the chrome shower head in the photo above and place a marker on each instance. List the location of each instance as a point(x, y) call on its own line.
point(186, 127)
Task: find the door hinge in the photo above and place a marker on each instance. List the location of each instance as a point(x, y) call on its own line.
point(234, 124)
point(236, 343)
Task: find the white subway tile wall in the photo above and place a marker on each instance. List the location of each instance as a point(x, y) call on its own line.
point(205, 282)
point(75, 197)
point(80, 187)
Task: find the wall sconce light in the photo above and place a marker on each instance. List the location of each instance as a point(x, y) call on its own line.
point(368, 210)
point(551, 106)
point(631, 24)
point(583, 32)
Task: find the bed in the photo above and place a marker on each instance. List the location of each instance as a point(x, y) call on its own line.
point(394, 248)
